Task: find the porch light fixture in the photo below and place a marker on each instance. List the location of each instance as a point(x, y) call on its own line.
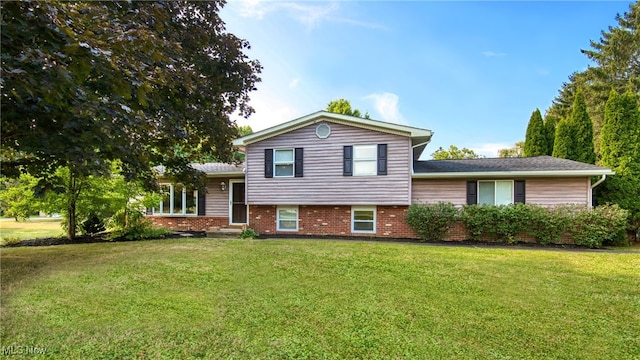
point(223, 186)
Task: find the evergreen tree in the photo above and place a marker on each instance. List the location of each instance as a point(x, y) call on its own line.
point(535, 143)
point(563, 146)
point(550, 123)
point(620, 151)
point(583, 127)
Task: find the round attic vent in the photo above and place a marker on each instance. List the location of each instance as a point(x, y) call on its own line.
point(323, 131)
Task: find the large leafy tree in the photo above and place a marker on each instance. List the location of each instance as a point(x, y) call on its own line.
point(516, 151)
point(454, 153)
point(342, 106)
point(535, 143)
point(85, 84)
point(620, 151)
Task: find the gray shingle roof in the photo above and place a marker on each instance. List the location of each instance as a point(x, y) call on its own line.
point(493, 165)
point(212, 168)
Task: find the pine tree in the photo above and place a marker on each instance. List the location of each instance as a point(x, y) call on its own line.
point(563, 146)
point(583, 127)
point(620, 151)
point(535, 143)
point(550, 123)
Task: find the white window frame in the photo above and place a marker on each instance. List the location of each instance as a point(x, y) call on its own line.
point(159, 211)
point(292, 162)
point(288, 207)
point(353, 218)
point(495, 192)
point(373, 159)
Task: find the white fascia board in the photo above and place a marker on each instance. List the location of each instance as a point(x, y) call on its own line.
point(228, 173)
point(511, 174)
point(332, 117)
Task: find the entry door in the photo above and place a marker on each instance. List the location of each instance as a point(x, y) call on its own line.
point(238, 203)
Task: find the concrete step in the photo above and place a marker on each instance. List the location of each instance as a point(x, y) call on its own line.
point(225, 232)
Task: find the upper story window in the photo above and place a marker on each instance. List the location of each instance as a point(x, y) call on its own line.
point(283, 162)
point(177, 200)
point(365, 160)
point(323, 131)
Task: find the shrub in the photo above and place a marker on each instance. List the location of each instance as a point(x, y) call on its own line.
point(476, 219)
point(432, 221)
point(93, 225)
point(509, 221)
point(248, 234)
point(604, 224)
point(548, 225)
point(137, 227)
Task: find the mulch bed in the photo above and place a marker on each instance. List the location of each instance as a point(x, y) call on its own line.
point(98, 238)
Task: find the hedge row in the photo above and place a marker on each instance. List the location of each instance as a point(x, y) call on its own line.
point(508, 223)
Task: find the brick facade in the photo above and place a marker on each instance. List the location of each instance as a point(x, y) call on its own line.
point(326, 220)
point(323, 220)
point(191, 223)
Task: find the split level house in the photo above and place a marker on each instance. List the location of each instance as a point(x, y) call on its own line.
point(329, 174)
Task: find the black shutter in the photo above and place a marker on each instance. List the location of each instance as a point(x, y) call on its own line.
point(472, 192)
point(519, 191)
point(382, 159)
point(298, 162)
point(268, 163)
point(202, 205)
point(347, 169)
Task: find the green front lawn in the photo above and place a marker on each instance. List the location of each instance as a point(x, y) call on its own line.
point(11, 230)
point(205, 298)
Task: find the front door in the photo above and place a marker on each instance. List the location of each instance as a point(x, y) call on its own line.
point(238, 203)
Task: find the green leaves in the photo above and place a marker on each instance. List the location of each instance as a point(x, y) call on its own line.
point(454, 153)
point(536, 139)
point(574, 135)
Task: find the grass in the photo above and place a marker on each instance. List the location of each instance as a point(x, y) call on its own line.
point(11, 230)
point(275, 299)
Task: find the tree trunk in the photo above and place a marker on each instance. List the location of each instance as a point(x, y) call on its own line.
point(71, 218)
point(73, 192)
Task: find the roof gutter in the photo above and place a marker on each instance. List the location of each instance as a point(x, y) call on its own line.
point(505, 174)
point(593, 186)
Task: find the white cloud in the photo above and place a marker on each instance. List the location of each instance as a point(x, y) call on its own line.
point(386, 104)
point(308, 15)
point(293, 83)
point(252, 8)
point(493, 54)
point(269, 111)
point(490, 150)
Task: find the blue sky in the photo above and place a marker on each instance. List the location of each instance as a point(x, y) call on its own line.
point(472, 72)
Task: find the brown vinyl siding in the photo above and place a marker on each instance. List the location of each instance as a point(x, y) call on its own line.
point(323, 182)
point(558, 191)
point(434, 191)
point(540, 191)
point(217, 201)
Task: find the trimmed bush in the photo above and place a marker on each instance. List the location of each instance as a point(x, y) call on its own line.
point(432, 221)
point(604, 224)
point(548, 225)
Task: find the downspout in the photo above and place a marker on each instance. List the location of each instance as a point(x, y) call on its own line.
point(593, 186)
point(598, 182)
